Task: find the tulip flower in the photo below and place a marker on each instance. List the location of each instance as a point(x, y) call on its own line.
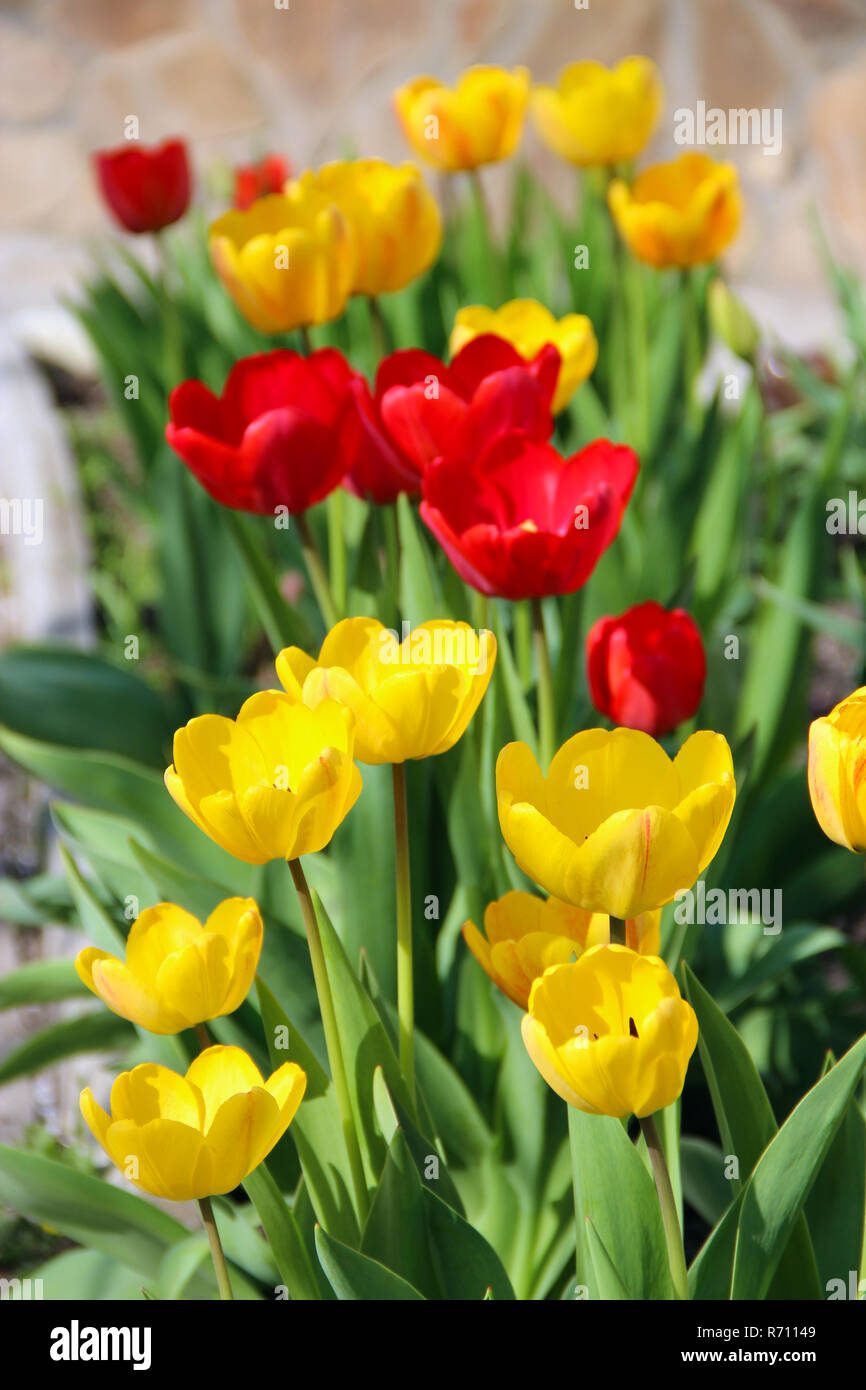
point(273, 784)
point(422, 410)
point(179, 973)
point(679, 214)
point(195, 1136)
point(525, 935)
point(254, 181)
point(529, 327)
point(518, 520)
point(410, 699)
point(393, 216)
point(646, 669)
point(476, 122)
point(616, 826)
point(610, 1033)
point(146, 187)
point(273, 438)
point(837, 757)
point(287, 261)
point(597, 115)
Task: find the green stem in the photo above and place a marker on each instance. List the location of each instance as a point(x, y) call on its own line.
point(332, 1035)
point(637, 331)
point(216, 1250)
point(306, 340)
point(316, 571)
point(337, 548)
point(617, 930)
point(378, 323)
point(691, 348)
point(405, 983)
point(546, 707)
point(283, 627)
point(203, 1038)
point(667, 1202)
point(172, 354)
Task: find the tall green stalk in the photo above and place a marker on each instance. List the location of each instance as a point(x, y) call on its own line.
point(405, 982)
point(667, 1202)
point(332, 1036)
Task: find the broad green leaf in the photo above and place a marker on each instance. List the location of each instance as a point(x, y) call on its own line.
point(93, 1212)
point(88, 1276)
point(607, 1278)
point(613, 1188)
point(78, 700)
point(364, 1042)
point(836, 1206)
point(317, 1129)
point(746, 1124)
point(421, 1238)
point(705, 1186)
point(283, 1236)
point(96, 1031)
point(41, 982)
point(793, 945)
point(784, 1175)
point(354, 1276)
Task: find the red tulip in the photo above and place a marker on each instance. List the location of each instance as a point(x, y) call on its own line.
point(254, 181)
point(520, 521)
point(421, 410)
point(647, 667)
point(145, 187)
point(274, 437)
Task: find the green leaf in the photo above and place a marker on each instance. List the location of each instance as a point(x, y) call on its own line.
point(836, 1206)
point(746, 1123)
point(284, 1238)
point(705, 1186)
point(88, 1276)
point(418, 1236)
point(790, 948)
point(785, 1173)
point(354, 1276)
point(420, 592)
point(607, 1277)
point(41, 982)
point(92, 1212)
point(317, 1129)
point(99, 1031)
point(365, 1044)
point(79, 700)
point(613, 1188)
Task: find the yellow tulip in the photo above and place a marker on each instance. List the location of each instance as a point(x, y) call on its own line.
point(616, 826)
point(410, 699)
point(525, 935)
point(597, 115)
point(288, 260)
point(476, 122)
point(528, 325)
point(679, 214)
point(273, 784)
point(610, 1033)
point(837, 771)
point(394, 218)
point(177, 972)
point(199, 1135)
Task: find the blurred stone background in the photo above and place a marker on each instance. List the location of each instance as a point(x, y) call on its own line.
point(238, 78)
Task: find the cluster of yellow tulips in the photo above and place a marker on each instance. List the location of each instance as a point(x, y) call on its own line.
point(612, 832)
point(364, 226)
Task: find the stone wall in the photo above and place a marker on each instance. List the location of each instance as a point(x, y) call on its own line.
point(313, 80)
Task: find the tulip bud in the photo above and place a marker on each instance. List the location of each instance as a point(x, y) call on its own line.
point(731, 321)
